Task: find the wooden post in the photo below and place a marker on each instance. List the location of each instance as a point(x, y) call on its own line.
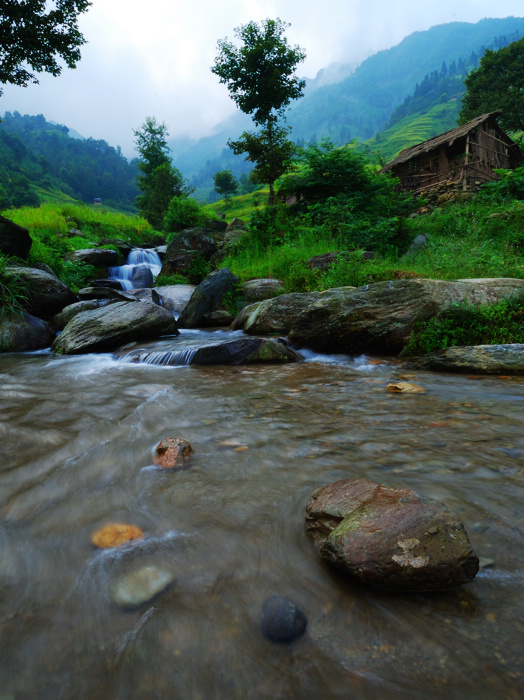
point(466, 165)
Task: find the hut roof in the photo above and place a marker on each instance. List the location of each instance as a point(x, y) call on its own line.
point(447, 139)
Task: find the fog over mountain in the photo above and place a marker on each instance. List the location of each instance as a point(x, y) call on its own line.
point(155, 59)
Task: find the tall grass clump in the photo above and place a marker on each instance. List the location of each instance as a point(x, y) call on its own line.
point(14, 291)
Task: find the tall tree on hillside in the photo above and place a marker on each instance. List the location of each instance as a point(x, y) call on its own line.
point(160, 181)
point(260, 78)
point(498, 83)
point(226, 183)
point(35, 34)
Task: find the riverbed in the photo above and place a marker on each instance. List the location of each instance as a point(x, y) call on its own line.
point(77, 441)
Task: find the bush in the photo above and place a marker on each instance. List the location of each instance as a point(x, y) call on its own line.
point(183, 212)
point(462, 324)
point(13, 291)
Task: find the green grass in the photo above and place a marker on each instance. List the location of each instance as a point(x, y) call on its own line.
point(241, 207)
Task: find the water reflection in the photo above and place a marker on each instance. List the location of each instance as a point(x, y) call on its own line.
point(77, 441)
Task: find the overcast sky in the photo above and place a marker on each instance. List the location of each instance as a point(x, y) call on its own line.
point(153, 58)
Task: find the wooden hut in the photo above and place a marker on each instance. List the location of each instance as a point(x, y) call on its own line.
point(465, 156)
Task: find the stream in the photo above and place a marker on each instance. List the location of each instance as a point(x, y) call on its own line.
point(77, 439)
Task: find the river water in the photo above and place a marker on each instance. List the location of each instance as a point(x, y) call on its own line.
point(77, 438)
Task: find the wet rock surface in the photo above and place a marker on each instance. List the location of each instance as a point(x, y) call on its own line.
point(172, 453)
point(206, 297)
point(99, 257)
point(107, 328)
point(23, 333)
point(260, 289)
point(138, 587)
point(282, 620)
point(484, 359)
point(390, 538)
point(378, 318)
point(276, 315)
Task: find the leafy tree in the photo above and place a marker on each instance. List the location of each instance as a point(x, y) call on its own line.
point(260, 78)
point(160, 181)
point(183, 212)
point(226, 183)
point(498, 83)
point(34, 34)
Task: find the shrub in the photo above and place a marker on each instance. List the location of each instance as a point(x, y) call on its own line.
point(13, 290)
point(462, 324)
point(183, 212)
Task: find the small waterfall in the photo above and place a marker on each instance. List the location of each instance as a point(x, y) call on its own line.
point(134, 272)
point(165, 357)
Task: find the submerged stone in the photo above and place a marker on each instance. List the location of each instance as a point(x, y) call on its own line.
point(140, 586)
point(115, 534)
point(390, 537)
point(173, 452)
point(282, 620)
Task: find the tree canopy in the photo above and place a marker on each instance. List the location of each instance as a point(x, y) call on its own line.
point(498, 83)
point(160, 181)
point(35, 34)
point(259, 75)
point(226, 183)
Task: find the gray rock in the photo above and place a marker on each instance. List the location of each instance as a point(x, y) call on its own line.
point(206, 297)
point(14, 239)
point(282, 620)
point(390, 537)
point(216, 225)
point(123, 246)
point(217, 318)
point(23, 333)
point(99, 257)
point(239, 351)
point(61, 319)
point(276, 315)
point(378, 318)
point(140, 586)
point(47, 294)
point(260, 289)
point(484, 359)
point(105, 292)
point(418, 244)
point(142, 277)
point(174, 297)
point(106, 328)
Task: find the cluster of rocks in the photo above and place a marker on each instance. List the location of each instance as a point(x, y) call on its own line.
point(443, 193)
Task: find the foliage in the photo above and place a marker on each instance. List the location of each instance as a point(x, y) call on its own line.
point(164, 280)
point(498, 83)
point(198, 270)
point(510, 186)
point(160, 181)
point(260, 78)
point(463, 324)
point(338, 189)
point(183, 212)
point(226, 183)
point(38, 157)
point(13, 290)
point(36, 35)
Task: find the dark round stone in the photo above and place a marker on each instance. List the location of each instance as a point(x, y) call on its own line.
point(282, 621)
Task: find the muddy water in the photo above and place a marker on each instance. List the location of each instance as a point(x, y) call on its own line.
point(77, 437)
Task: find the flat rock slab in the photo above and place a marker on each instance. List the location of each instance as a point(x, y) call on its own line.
point(109, 327)
point(390, 538)
point(239, 351)
point(485, 359)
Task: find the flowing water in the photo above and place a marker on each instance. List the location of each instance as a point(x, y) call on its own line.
point(78, 435)
point(138, 257)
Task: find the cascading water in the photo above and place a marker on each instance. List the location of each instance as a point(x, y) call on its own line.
point(131, 274)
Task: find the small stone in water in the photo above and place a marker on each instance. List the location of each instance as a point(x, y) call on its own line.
point(172, 452)
point(115, 534)
point(140, 586)
point(282, 621)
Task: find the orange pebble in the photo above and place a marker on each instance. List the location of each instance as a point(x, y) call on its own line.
point(115, 534)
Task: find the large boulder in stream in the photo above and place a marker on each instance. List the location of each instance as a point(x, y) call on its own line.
point(275, 315)
point(378, 318)
point(239, 351)
point(482, 359)
point(186, 248)
point(23, 333)
point(106, 328)
point(47, 295)
point(14, 239)
point(206, 297)
point(390, 537)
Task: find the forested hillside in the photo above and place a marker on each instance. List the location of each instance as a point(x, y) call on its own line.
point(426, 69)
point(39, 159)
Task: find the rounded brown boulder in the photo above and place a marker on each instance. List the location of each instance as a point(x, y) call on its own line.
point(390, 537)
point(173, 452)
